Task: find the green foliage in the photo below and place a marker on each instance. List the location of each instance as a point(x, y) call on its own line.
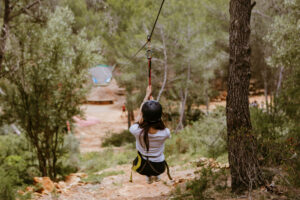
point(284, 39)
point(97, 161)
point(19, 163)
point(118, 139)
point(200, 187)
point(272, 134)
point(97, 178)
point(17, 160)
point(278, 141)
point(206, 137)
point(49, 86)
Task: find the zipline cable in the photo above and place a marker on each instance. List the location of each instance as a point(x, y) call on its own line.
point(151, 33)
point(162, 3)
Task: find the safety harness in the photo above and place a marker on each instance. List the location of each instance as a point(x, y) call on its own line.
point(138, 168)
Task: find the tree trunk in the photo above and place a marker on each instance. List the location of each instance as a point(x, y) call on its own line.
point(128, 118)
point(165, 64)
point(4, 33)
point(266, 93)
point(242, 147)
point(279, 81)
point(207, 102)
point(184, 95)
point(131, 115)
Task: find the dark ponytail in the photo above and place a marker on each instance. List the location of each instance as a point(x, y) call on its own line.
point(145, 126)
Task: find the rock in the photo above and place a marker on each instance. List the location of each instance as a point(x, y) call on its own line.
point(72, 179)
point(37, 194)
point(224, 166)
point(62, 184)
point(46, 184)
point(21, 192)
point(30, 189)
point(181, 180)
point(81, 175)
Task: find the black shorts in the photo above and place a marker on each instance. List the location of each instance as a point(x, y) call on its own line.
point(148, 168)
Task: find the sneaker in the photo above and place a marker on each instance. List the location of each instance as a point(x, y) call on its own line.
point(149, 179)
point(156, 178)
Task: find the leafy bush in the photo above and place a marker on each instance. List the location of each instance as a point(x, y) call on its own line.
point(278, 141)
point(97, 178)
point(17, 165)
point(206, 137)
point(272, 134)
point(199, 188)
point(18, 162)
point(118, 139)
point(96, 161)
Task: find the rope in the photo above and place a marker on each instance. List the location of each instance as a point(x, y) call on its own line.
point(151, 33)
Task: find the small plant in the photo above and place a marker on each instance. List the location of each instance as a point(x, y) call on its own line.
point(96, 161)
point(97, 178)
point(200, 188)
point(118, 139)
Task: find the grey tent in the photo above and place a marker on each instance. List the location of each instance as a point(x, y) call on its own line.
point(101, 75)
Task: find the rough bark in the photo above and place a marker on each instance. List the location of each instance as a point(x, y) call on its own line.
point(4, 33)
point(242, 147)
point(8, 16)
point(128, 119)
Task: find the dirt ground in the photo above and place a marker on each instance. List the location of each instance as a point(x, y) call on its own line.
point(107, 118)
point(118, 187)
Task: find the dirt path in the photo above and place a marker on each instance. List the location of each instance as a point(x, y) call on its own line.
point(118, 187)
point(105, 119)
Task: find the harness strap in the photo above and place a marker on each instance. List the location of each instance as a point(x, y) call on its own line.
point(168, 170)
point(135, 167)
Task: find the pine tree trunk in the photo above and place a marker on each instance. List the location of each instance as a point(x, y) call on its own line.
point(242, 147)
point(4, 33)
point(128, 118)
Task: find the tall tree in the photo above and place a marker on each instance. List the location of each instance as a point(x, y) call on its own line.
point(49, 84)
point(11, 10)
point(242, 147)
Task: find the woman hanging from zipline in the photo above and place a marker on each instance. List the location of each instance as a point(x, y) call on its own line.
point(149, 130)
point(150, 133)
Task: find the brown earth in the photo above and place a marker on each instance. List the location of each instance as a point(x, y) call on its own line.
point(118, 187)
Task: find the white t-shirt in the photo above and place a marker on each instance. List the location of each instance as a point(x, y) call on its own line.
point(156, 143)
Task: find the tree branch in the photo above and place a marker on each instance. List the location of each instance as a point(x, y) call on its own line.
point(165, 64)
point(253, 4)
point(24, 9)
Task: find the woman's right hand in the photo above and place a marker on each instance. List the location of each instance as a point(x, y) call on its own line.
point(148, 92)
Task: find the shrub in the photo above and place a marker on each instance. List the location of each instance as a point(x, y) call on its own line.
point(206, 137)
point(96, 161)
point(118, 139)
point(18, 162)
point(278, 141)
point(47, 97)
point(97, 178)
point(200, 187)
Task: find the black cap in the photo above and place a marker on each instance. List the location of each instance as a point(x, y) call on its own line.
point(152, 111)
